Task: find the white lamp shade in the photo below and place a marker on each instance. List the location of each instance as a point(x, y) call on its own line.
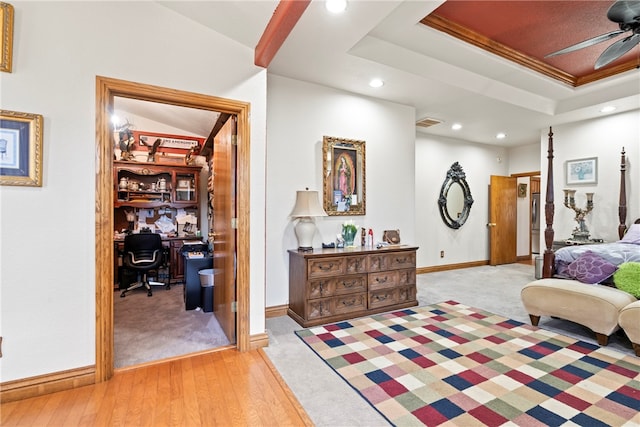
point(307, 205)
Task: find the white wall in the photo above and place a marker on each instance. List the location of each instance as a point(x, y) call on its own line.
point(602, 138)
point(47, 240)
point(299, 115)
point(434, 157)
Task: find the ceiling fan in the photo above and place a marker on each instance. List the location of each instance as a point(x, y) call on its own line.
point(626, 13)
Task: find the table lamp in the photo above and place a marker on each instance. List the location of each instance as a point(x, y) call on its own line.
point(307, 206)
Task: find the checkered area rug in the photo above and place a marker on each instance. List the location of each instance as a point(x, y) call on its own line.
point(450, 364)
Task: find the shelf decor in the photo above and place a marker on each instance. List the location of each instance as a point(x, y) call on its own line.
point(20, 149)
point(344, 176)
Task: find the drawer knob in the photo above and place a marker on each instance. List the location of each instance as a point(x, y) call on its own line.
point(382, 279)
point(325, 267)
point(348, 284)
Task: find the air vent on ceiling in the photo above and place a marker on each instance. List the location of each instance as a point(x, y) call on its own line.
point(428, 122)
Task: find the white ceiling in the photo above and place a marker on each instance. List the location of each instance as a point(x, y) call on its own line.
point(442, 77)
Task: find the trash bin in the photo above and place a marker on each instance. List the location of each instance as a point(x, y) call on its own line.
point(539, 264)
point(206, 288)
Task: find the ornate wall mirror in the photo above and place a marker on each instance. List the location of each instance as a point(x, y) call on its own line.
point(344, 176)
point(455, 198)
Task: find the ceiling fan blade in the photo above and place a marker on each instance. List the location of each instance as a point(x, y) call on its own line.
point(587, 43)
point(624, 11)
point(616, 50)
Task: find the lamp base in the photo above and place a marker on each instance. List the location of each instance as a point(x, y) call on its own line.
point(305, 249)
point(305, 229)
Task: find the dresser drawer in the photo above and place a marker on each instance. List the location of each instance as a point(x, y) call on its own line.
point(344, 304)
point(407, 277)
point(383, 280)
point(330, 286)
point(398, 260)
point(323, 267)
point(356, 264)
point(391, 296)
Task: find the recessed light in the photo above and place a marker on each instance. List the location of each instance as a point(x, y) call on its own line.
point(456, 126)
point(336, 6)
point(501, 135)
point(376, 83)
point(607, 109)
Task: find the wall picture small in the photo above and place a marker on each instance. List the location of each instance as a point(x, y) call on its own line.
point(582, 171)
point(522, 190)
point(20, 149)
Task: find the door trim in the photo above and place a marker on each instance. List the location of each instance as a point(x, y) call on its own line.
point(106, 90)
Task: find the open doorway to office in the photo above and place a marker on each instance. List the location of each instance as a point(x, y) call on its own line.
point(107, 89)
point(169, 161)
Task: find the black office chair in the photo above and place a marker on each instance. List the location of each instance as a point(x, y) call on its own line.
point(143, 252)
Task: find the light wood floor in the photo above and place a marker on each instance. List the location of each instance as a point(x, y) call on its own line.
point(223, 388)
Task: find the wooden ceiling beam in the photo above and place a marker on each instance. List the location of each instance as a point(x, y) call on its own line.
point(284, 18)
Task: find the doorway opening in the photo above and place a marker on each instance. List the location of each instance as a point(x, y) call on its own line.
point(106, 90)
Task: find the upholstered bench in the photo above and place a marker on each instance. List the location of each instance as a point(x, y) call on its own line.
point(629, 320)
point(595, 306)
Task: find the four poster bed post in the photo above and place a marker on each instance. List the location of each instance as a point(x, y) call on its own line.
point(549, 208)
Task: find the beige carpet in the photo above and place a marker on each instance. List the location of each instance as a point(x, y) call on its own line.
point(157, 327)
point(315, 385)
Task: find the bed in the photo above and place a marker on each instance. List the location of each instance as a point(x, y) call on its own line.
point(627, 249)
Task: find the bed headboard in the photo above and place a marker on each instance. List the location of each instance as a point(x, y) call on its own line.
point(549, 208)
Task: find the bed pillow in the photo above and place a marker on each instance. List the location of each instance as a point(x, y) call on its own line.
point(561, 269)
point(627, 278)
point(590, 268)
point(632, 235)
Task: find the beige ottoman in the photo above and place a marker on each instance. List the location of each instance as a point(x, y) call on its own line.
point(595, 306)
point(629, 320)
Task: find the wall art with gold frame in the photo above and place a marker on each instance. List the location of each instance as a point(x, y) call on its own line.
point(6, 29)
point(344, 180)
point(20, 149)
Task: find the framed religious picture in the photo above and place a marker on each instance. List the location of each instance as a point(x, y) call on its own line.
point(344, 176)
point(20, 149)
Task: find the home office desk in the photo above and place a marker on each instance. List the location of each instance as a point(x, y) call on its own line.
point(173, 259)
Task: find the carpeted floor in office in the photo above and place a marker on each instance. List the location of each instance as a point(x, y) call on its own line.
point(330, 401)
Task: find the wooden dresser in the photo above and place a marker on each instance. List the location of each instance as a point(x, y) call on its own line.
point(329, 285)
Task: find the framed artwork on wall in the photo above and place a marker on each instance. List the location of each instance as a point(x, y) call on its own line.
point(344, 179)
point(6, 29)
point(582, 171)
point(20, 149)
point(522, 190)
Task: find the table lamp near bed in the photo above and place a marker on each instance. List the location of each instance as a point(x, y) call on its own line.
point(581, 232)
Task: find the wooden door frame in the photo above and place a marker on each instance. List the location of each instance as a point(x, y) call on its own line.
point(106, 90)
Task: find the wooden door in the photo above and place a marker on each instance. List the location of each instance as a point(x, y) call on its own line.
point(502, 220)
point(224, 234)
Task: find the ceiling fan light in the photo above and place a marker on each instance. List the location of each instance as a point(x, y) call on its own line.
point(607, 109)
point(456, 126)
point(501, 135)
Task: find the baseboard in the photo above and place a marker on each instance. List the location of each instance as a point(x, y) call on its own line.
point(48, 383)
point(276, 311)
point(258, 341)
point(433, 269)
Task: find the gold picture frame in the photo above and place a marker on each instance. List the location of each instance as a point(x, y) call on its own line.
point(20, 149)
point(6, 29)
point(344, 179)
point(522, 190)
